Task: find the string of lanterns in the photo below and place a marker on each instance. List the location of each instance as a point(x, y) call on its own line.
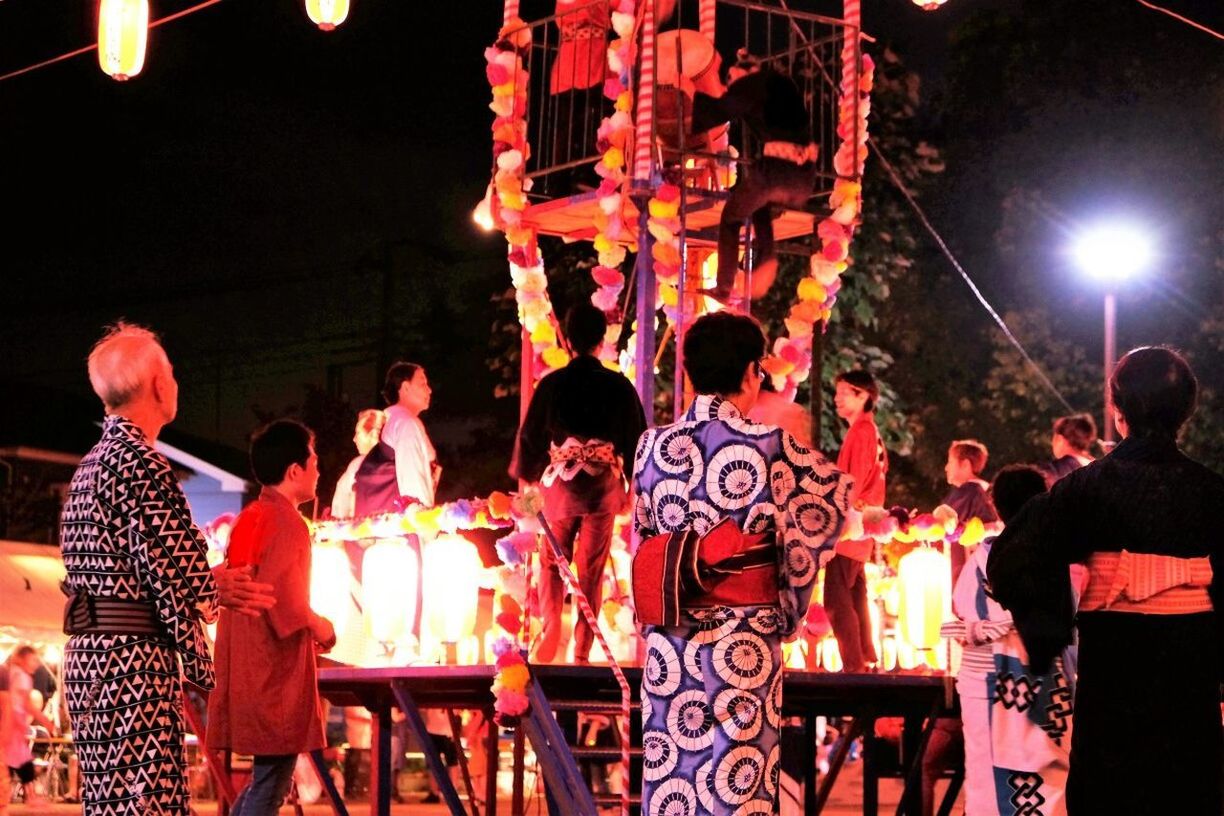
point(123, 30)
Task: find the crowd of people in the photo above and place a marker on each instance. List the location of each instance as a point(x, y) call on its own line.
point(733, 520)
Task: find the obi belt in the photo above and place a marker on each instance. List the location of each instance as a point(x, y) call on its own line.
point(683, 570)
point(1146, 583)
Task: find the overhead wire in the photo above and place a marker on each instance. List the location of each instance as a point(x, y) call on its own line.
point(1181, 19)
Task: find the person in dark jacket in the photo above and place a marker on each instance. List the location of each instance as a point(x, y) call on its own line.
point(968, 497)
point(1147, 737)
point(783, 172)
point(581, 428)
point(1071, 443)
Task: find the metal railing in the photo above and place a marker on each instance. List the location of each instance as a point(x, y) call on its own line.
point(566, 66)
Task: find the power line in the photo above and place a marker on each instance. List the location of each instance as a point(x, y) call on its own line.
point(977, 293)
point(1181, 19)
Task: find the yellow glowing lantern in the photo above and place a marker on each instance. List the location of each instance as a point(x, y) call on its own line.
point(452, 588)
point(388, 586)
point(327, 14)
point(123, 32)
point(925, 579)
point(329, 584)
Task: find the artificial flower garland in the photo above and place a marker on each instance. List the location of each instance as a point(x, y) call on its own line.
point(509, 81)
point(491, 513)
point(614, 141)
point(791, 361)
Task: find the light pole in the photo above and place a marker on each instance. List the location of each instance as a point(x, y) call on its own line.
point(1112, 254)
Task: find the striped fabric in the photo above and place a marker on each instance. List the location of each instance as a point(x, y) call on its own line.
point(1147, 583)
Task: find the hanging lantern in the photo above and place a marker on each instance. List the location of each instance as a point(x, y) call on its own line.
point(929, 5)
point(327, 14)
point(123, 31)
point(452, 591)
point(389, 572)
point(329, 584)
point(925, 579)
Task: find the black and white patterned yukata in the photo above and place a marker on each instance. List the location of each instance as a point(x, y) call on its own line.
point(126, 533)
point(712, 687)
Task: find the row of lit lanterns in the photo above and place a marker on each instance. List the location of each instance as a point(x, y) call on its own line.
point(123, 31)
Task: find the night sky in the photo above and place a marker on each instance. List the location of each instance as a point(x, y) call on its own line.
point(250, 192)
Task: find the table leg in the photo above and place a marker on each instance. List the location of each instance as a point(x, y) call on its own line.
point(380, 762)
point(492, 749)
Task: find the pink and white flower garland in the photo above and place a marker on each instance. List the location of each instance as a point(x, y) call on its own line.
point(614, 140)
point(791, 361)
point(509, 81)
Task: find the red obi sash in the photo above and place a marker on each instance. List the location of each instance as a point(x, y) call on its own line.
point(681, 570)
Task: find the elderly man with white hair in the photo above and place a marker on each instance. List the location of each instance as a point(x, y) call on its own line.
point(140, 590)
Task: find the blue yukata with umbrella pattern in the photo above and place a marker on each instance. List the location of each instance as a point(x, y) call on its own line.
point(712, 686)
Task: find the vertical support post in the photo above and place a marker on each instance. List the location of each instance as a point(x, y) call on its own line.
point(380, 762)
point(492, 762)
point(517, 806)
point(510, 11)
point(816, 382)
point(644, 375)
point(1111, 356)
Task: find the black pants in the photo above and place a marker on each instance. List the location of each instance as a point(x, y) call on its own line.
point(845, 599)
point(757, 188)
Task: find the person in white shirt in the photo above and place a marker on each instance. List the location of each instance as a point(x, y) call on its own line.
point(369, 426)
point(402, 468)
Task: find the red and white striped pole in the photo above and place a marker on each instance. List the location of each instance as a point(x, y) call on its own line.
point(511, 11)
point(852, 65)
point(645, 96)
point(706, 14)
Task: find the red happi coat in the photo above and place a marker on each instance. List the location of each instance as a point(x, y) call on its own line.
point(267, 698)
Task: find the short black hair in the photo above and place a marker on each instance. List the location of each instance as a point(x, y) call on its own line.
point(276, 446)
point(1155, 389)
point(397, 375)
point(863, 381)
point(718, 348)
point(1079, 430)
point(1013, 486)
point(585, 327)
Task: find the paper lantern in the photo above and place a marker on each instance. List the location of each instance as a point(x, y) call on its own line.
point(327, 14)
point(123, 32)
point(929, 5)
point(389, 573)
point(925, 579)
point(329, 584)
point(452, 588)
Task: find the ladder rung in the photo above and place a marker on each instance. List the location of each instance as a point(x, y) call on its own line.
point(614, 798)
point(609, 754)
point(590, 706)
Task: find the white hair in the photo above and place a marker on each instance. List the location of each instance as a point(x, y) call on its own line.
point(123, 363)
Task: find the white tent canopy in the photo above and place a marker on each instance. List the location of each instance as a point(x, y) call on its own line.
point(31, 603)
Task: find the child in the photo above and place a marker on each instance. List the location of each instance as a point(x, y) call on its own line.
point(968, 497)
point(1017, 724)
